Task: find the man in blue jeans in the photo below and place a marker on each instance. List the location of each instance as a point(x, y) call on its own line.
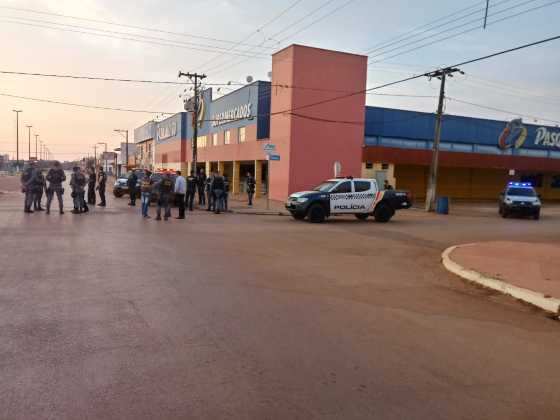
point(146, 193)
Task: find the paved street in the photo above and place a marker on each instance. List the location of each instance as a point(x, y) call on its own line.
point(108, 316)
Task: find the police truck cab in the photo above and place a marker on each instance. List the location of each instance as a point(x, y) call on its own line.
point(358, 196)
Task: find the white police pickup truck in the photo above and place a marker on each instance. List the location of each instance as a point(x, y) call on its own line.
point(358, 196)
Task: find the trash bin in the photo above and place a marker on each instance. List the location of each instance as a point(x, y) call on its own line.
point(442, 206)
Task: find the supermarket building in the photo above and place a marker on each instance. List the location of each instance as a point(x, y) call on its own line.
point(312, 132)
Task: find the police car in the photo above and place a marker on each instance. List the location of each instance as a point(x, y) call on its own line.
point(360, 197)
point(520, 198)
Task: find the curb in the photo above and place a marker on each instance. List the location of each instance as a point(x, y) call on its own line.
point(260, 213)
point(537, 299)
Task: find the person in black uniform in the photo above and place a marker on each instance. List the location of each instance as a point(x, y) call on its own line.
point(132, 181)
point(27, 182)
point(39, 186)
point(217, 189)
point(191, 190)
point(56, 177)
point(250, 187)
point(101, 185)
point(201, 186)
point(226, 193)
point(209, 193)
point(91, 186)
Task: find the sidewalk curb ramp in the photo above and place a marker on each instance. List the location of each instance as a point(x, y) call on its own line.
point(537, 299)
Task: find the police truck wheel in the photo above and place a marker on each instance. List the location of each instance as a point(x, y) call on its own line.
point(382, 213)
point(537, 215)
point(505, 214)
point(316, 214)
point(118, 193)
point(362, 216)
point(298, 216)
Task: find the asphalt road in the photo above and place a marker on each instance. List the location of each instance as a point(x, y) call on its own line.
point(109, 316)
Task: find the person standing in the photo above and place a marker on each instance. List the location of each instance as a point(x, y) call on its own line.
point(191, 190)
point(226, 193)
point(38, 187)
point(250, 187)
point(146, 187)
point(56, 177)
point(27, 181)
point(91, 186)
point(387, 186)
point(165, 187)
point(209, 194)
point(101, 185)
point(180, 190)
point(218, 188)
point(78, 183)
point(201, 186)
point(132, 181)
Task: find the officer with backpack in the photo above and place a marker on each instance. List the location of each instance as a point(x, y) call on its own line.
point(56, 177)
point(39, 185)
point(164, 188)
point(78, 184)
point(27, 183)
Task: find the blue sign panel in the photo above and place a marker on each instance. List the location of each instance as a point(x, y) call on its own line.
point(386, 123)
point(172, 128)
point(145, 132)
point(274, 157)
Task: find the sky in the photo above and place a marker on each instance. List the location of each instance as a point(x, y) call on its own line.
point(230, 40)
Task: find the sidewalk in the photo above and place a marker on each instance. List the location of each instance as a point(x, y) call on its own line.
point(526, 271)
point(238, 204)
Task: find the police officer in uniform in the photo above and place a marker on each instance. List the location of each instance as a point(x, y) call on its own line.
point(191, 190)
point(91, 186)
point(101, 185)
point(226, 193)
point(56, 177)
point(201, 186)
point(78, 184)
point(164, 188)
point(132, 181)
point(250, 187)
point(38, 186)
point(27, 182)
point(209, 193)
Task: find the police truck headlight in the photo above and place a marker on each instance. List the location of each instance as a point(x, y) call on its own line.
point(508, 201)
point(536, 203)
point(302, 199)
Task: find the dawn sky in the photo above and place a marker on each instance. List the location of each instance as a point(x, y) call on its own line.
point(525, 83)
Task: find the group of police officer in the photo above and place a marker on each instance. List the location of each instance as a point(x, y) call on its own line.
point(34, 183)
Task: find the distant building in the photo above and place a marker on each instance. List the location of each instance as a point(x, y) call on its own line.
point(144, 140)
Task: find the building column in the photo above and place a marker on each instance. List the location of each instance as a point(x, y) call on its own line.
point(235, 178)
point(258, 178)
point(221, 167)
point(189, 168)
point(207, 168)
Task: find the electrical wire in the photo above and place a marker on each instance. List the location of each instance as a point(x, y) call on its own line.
point(534, 117)
point(123, 25)
point(463, 32)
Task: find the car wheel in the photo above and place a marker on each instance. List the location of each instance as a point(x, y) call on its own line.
point(298, 216)
point(505, 214)
point(382, 213)
point(118, 193)
point(537, 215)
point(362, 216)
point(316, 214)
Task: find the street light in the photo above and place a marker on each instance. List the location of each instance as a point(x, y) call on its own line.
point(36, 155)
point(29, 127)
point(126, 151)
point(17, 138)
point(101, 142)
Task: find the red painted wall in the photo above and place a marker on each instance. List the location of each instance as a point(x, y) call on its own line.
point(309, 148)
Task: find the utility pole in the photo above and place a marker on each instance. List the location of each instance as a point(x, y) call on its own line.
point(432, 179)
point(36, 155)
point(486, 13)
point(29, 127)
point(17, 138)
point(197, 79)
point(105, 154)
point(95, 156)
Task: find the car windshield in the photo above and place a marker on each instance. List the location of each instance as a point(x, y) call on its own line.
point(521, 192)
point(325, 186)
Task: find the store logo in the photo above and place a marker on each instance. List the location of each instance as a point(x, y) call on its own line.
point(547, 138)
point(513, 136)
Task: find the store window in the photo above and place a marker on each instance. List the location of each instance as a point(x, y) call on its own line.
point(242, 135)
point(215, 139)
point(227, 137)
point(202, 142)
point(369, 165)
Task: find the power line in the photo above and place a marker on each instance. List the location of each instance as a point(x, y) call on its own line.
point(105, 108)
point(259, 29)
point(534, 117)
point(463, 32)
point(107, 22)
point(130, 37)
point(384, 51)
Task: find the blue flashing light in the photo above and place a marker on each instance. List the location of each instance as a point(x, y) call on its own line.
point(519, 184)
